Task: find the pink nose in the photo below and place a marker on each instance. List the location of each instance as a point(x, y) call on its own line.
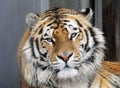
point(65, 56)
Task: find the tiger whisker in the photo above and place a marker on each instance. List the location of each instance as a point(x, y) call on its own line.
point(49, 77)
point(26, 48)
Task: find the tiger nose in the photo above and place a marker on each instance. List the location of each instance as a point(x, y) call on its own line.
point(65, 56)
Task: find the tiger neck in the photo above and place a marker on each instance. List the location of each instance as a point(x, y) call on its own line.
point(79, 82)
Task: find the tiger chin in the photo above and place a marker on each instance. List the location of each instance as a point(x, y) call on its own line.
point(61, 49)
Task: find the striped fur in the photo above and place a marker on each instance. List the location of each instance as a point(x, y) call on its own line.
point(61, 49)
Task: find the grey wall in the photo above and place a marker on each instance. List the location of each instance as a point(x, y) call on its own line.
point(72, 4)
point(12, 26)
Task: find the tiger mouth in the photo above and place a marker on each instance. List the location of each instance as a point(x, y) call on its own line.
point(65, 68)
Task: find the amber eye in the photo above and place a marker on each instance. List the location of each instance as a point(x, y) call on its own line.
point(73, 35)
point(49, 39)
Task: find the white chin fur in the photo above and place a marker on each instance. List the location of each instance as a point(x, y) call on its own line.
point(67, 73)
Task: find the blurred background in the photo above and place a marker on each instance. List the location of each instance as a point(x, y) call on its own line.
point(12, 26)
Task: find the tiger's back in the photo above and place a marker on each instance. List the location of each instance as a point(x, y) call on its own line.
point(61, 49)
point(108, 76)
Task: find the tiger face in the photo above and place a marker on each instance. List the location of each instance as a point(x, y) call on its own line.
point(64, 40)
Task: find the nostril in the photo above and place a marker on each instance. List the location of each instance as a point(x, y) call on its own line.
point(70, 55)
point(65, 57)
point(59, 56)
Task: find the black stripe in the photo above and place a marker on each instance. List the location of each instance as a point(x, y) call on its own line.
point(50, 24)
point(46, 17)
point(27, 48)
point(41, 30)
point(79, 23)
point(74, 28)
point(91, 59)
point(43, 68)
point(54, 9)
point(38, 65)
point(88, 49)
point(57, 70)
point(66, 29)
point(37, 45)
point(32, 47)
point(42, 56)
point(86, 45)
point(93, 35)
point(91, 80)
point(114, 84)
point(80, 30)
point(30, 28)
point(45, 34)
point(52, 84)
point(37, 14)
point(66, 20)
point(82, 46)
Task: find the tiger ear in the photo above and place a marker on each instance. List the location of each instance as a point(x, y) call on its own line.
point(87, 13)
point(32, 19)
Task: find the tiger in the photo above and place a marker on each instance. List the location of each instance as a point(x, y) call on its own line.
point(62, 49)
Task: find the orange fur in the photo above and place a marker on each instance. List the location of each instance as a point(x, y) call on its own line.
point(113, 67)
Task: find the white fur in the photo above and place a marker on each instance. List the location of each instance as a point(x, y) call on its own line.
point(27, 50)
point(43, 76)
point(30, 74)
point(67, 73)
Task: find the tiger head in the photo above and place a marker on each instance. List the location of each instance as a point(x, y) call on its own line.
point(66, 41)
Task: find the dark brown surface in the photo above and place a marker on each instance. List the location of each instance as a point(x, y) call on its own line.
point(109, 19)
